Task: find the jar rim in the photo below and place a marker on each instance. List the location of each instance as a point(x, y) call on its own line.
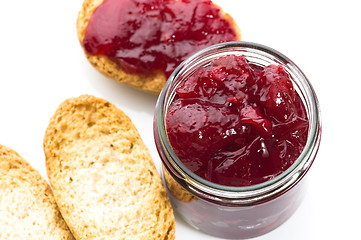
point(265, 189)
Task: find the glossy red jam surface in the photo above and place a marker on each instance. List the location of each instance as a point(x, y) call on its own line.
point(237, 124)
point(144, 36)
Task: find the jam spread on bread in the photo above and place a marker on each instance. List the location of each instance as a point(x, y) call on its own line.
point(145, 36)
point(237, 124)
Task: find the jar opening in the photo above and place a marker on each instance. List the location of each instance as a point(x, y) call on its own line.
point(259, 55)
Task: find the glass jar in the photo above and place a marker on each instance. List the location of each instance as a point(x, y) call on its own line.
point(236, 212)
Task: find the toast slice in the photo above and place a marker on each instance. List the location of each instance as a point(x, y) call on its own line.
point(153, 82)
point(27, 206)
point(104, 180)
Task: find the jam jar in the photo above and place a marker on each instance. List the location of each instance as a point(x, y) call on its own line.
point(220, 208)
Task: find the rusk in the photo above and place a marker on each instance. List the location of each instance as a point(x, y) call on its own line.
point(104, 180)
point(153, 83)
point(27, 206)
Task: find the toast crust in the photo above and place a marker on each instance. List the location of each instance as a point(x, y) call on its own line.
point(152, 83)
point(28, 209)
point(104, 180)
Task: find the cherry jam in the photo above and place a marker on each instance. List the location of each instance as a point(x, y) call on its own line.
point(143, 36)
point(237, 128)
point(236, 124)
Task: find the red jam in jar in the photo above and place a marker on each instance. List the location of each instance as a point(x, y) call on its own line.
point(143, 36)
point(237, 124)
point(237, 128)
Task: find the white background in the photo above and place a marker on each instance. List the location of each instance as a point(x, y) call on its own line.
point(42, 64)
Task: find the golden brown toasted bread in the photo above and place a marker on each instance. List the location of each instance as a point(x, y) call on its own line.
point(151, 82)
point(104, 180)
point(27, 206)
